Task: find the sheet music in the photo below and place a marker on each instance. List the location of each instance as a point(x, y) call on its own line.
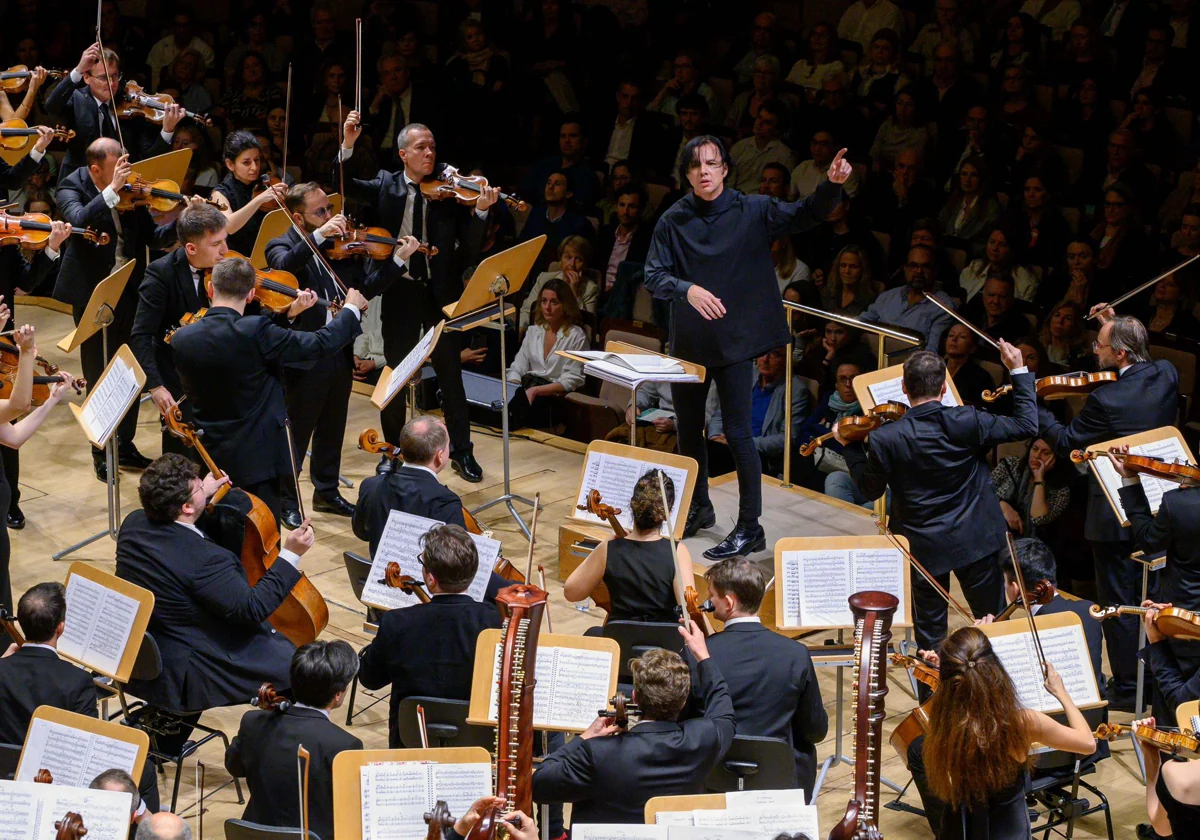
point(98, 625)
point(639, 362)
point(882, 570)
point(572, 686)
point(614, 476)
point(396, 794)
point(29, 811)
point(401, 543)
point(611, 831)
point(680, 818)
point(818, 583)
point(1170, 449)
point(1066, 649)
point(739, 800)
point(892, 390)
point(460, 785)
point(411, 363)
point(615, 372)
point(762, 821)
point(109, 400)
point(688, 832)
point(723, 817)
point(73, 756)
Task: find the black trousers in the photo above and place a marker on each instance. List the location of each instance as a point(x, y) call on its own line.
point(318, 400)
point(733, 389)
point(268, 491)
point(12, 473)
point(982, 583)
point(91, 358)
point(1119, 581)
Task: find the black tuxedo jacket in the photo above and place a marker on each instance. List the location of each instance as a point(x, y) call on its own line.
point(942, 494)
point(264, 753)
point(166, 294)
point(408, 490)
point(421, 109)
point(16, 273)
point(1145, 397)
point(228, 366)
point(426, 650)
point(84, 264)
point(610, 779)
point(774, 689)
point(34, 677)
point(14, 177)
point(1175, 530)
point(646, 145)
point(72, 105)
point(210, 624)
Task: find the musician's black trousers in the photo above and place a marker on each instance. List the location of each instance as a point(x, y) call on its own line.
point(733, 389)
point(12, 472)
point(982, 583)
point(1119, 581)
point(317, 404)
point(91, 357)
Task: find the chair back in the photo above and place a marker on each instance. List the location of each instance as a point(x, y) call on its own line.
point(754, 763)
point(648, 342)
point(10, 757)
point(148, 664)
point(637, 637)
point(244, 830)
point(445, 721)
point(358, 569)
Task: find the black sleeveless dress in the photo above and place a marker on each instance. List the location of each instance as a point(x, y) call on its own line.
point(1181, 815)
point(1004, 818)
point(640, 579)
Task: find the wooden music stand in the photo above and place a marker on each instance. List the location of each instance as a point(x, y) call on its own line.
point(93, 726)
point(98, 313)
point(274, 224)
point(1184, 714)
point(1108, 479)
point(385, 391)
point(171, 166)
point(687, 802)
point(864, 381)
point(145, 599)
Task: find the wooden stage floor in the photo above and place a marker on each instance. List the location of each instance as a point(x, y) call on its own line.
point(64, 503)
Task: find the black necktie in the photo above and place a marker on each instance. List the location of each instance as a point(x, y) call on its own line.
point(106, 128)
point(417, 265)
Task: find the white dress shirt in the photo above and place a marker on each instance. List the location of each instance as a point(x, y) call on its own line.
point(284, 553)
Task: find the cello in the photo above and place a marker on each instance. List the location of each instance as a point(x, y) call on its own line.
point(268, 699)
point(303, 614)
point(9, 623)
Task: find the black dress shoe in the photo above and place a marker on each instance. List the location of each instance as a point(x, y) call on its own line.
point(101, 468)
point(384, 466)
point(467, 467)
point(332, 503)
point(291, 518)
point(698, 518)
point(741, 542)
point(16, 519)
point(130, 458)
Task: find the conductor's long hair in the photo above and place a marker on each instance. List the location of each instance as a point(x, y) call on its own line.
point(977, 743)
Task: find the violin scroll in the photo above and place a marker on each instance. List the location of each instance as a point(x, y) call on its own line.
point(622, 709)
point(1100, 613)
point(409, 585)
point(70, 827)
point(44, 777)
point(270, 700)
point(438, 820)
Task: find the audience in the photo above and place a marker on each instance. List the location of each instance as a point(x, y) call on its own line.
point(574, 258)
point(538, 369)
point(762, 147)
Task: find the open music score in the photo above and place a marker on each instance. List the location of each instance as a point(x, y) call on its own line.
point(28, 810)
point(574, 677)
point(393, 380)
point(1065, 648)
point(759, 814)
point(614, 468)
point(814, 577)
point(1165, 443)
point(106, 621)
point(76, 748)
point(401, 543)
point(111, 397)
point(880, 386)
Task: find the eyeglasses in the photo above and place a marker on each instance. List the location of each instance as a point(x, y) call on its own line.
point(845, 380)
point(1096, 345)
point(323, 212)
point(421, 559)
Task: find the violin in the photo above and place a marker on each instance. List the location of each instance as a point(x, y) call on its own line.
point(1041, 595)
point(70, 827)
point(135, 102)
point(32, 230)
point(922, 671)
point(450, 183)
point(1174, 744)
point(1186, 475)
point(1172, 622)
point(1060, 386)
point(15, 134)
point(265, 182)
point(274, 290)
point(696, 610)
point(16, 78)
point(270, 700)
point(10, 358)
point(409, 585)
point(917, 722)
point(438, 820)
point(184, 320)
point(375, 242)
point(858, 427)
point(8, 622)
point(42, 385)
point(622, 709)
point(596, 507)
point(162, 195)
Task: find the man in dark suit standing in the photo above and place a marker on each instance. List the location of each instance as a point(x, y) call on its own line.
point(415, 302)
point(173, 287)
point(83, 101)
point(264, 751)
point(1144, 397)
point(609, 774)
point(318, 390)
point(210, 625)
point(770, 677)
point(226, 362)
point(942, 496)
point(88, 198)
point(429, 649)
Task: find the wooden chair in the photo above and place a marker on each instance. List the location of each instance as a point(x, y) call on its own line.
point(1073, 161)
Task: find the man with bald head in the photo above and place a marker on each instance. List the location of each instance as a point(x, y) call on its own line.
point(163, 826)
point(88, 198)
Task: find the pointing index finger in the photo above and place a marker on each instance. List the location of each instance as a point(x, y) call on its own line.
point(840, 155)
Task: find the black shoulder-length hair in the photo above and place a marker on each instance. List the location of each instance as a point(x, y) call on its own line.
point(691, 155)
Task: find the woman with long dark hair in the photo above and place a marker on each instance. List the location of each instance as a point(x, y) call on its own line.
point(1032, 492)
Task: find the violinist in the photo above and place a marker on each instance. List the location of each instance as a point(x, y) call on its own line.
point(429, 649)
point(318, 390)
point(173, 287)
point(942, 498)
point(238, 194)
point(1171, 799)
point(88, 198)
point(1144, 397)
point(427, 284)
point(14, 177)
point(86, 102)
point(817, 471)
point(264, 750)
point(227, 364)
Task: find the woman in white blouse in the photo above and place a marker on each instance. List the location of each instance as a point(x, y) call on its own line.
point(999, 258)
point(823, 61)
point(574, 260)
point(538, 368)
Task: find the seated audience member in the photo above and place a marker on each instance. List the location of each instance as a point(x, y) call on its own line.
point(609, 774)
point(806, 177)
point(326, 108)
point(975, 138)
point(254, 39)
point(971, 210)
point(428, 650)
point(838, 343)
point(685, 81)
point(631, 139)
point(842, 226)
point(946, 28)
point(837, 113)
point(1064, 338)
point(1016, 44)
point(619, 175)
point(121, 782)
point(163, 826)
point(835, 403)
point(771, 681)
point(906, 306)
point(479, 78)
point(821, 60)
point(1170, 309)
point(764, 146)
point(210, 624)
point(765, 40)
point(250, 96)
point(1034, 157)
point(538, 369)
point(556, 218)
point(774, 181)
point(994, 312)
point(999, 259)
point(637, 569)
point(1039, 229)
point(658, 432)
point(1120, 257)
point(879, 78)
point(969, 378)
point(926, 232)
point(788, 268)
point(1017, 110)
point(570, 162)
point(693, 121)
point(185, 82)
point(862, 20)
point(893, 201)
point(1032, 493)
point(1177, 202)
point(766, 414)
point(1120, 165)
point(191, 136)
point(575, 257)
point(264, 750)
point(945, 95)
point(764, 89)
point(1074, 279)
point(626, 237)
point(369, 358)
point(851, 286)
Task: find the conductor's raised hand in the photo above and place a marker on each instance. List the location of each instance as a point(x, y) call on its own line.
point(705, 302)
point(305, 298)
point(300, 540)
point(840, 169)
point(351, 129)
point(1010, 355)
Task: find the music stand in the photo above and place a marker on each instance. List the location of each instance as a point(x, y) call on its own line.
point(392, 380)
point(97, 316)
point(482, 301)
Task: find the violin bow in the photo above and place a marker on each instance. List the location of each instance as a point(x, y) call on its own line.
point(287, 114)
point(930, 579)
point(1147, 285)
point(287, 424)
point(112, 91)
point(422, 727)
point(341, 142)
point(542, 584)
point(980, 333)
point(357, 70)
point(1037, 642)
point(678, 582)
point(537, 503)
point(307, 239)
point(303, 760)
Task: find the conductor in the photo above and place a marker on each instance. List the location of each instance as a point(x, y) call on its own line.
point(711, 257)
